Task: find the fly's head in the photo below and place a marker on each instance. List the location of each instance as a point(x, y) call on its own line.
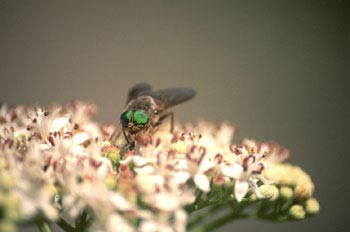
point(134, 121)
point(139, 115)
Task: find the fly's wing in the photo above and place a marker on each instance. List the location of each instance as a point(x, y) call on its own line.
point(141, 89)
point(173, 96)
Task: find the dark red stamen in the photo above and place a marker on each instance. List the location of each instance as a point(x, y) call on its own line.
point(76, 126)
point(50, 139)
point(157, 142)
point(218, 158)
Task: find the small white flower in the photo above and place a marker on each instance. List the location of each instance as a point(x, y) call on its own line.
point(58, 123)
point(80, 137)
point(245, 175)
point(116, 223)
point(202, 182)
point(120, 202)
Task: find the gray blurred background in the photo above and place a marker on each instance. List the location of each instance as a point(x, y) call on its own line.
point(277, 69)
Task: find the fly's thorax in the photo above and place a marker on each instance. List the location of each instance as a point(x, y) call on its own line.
point(144, 103)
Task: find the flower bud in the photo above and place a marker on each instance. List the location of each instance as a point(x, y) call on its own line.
point(297, 212)
point(252, 198)
point(111, 152)
point(106, 143)
point(110, 183)
point(145, 184)
point(312, 206)
point(180, 147)
point(269, 192)
point(286, 193)
point(304, 189)
point(113, 156)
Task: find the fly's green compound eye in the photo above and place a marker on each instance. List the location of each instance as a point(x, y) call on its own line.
point(140, 117)
point(125, 117)
point(128, 114)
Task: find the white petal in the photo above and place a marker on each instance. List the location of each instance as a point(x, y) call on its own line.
point(117, 223)
point(166, 202)
point(127, 160)
point(139, 160)
point(235, 171)
point(92, 129)
point(148, 226)
point(158, 179)
point(68, 201)
point(144, 170)
point(45, 146)
point(80, 137)
point(145, 184)
point(120, 202)
point(205, 165)
point(181, 165)
point(27, 207)
point(264, 180)
point(58, 123)
point(230, 171)
point(105, 168)
point(256, 189)
point(241, 189)
point(202, 182)
point(181, 177)
point(154, 226)
point(78, 150)
point(20, 132)
point(50, 211)
point(180, 221)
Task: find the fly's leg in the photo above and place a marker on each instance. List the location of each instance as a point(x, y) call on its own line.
point(161, 119)
point(171, 114)
point(130, 144)
point(125, 136)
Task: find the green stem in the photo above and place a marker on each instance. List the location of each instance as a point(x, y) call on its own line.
point(65, 225)
point(278, 212)
point(198, 199)
point(219, 222)
point(206, 212)
point(43, 226)
point(81, 222)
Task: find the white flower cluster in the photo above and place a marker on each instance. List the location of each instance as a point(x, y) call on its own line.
point(56, 162)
